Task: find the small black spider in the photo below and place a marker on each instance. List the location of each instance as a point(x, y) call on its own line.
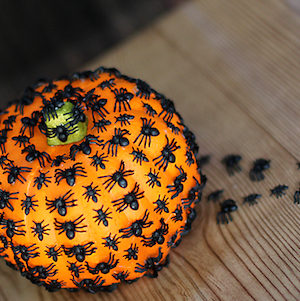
point(3, 139)
point(124, 119)
point(61, 203)
point(70, 227)
point(12, 227)
point(5, 197)
point(147, 131)
point(77, 115)
point(203, 160)
point(21, 139)
point(130, 199)
point(80, 251)
point(278, 190)
point(53, 252)
point(61, 131)
point(92, 75)
point(75, 269)
point(297, 197)
point(101, 124)
point(117, 139)
point(175, 129)
point(157, 236)
point(42, 272)
point(232, 163)
point(58, 160)
point(194, 192)
point(167, 155)
point(84, 146)
point(177, 186)
point(9, 121)
point(251, 199)
point(54, 285)
point(107, 84)
point(177, 214)
point(33, 154)
point(168, 109)
point(26, 252)
point(50, 107)
point(117, 177)
point(153, 179)
point(41, 180)
point(14, 172)
point(97, 106)
point(256, 173)
point(3, 159)
point(149, 109)
point(215, 195)
point(111, 242)
point(121, 276)
point(49, 87)
point(26, 100)
point(69, 92)
point(136, 227)
point(30, 123)
point(132, 252)
point(103, 267)
point(102, 216)
point(122, 97)
point(139, 156)
point(70, 174)
point(90, 285)
point(144, 89)
point(227, 206)
point(40, 230)
point(91, 192)
point(161, 205)
point(28, 203)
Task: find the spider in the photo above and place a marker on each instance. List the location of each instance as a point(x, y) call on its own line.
point(4, 241)
point(117, 139)
point(279, 190)
point(69, 92)
point(75, 269)
point(203, 160)
point(167, 108)
point(58, 160)
point(54, 285)
point(28, 203)
point(26, 100)
point(117, 177)
point(70, 227)
point(132, 252)
point(40, 230)
point(101, 124)
point(61, 131)
point(49, 87)
point(84, 146)
point(33, 154)
point(153, 178)
point(41, 180)
point(70, 174)
point(136, 227)
point(147, 131)
point(50, 106)
point(193, 193)
point(91, 285)
point(297, 197)
point(149, 109)
point(124, 119)
point(167, 155)
point(102, 216)
point(129, 199)
point(92, 75)
point(12, 227)
point(161, 205)
point(175, 129)
point(256, 173)
point(122, 97)
point(121, 276)
point(3, 139)
point(157, 236)
point(30, 123)
point(26, 252)
point(111, 242)
point(215, 196)
point(98, 106)
point(3, 159)
point(14, 172)
point(232, 163)
point(251, 199)
point(103, 267)
point(5, 197)
point(9, 122)
point(144, 89)
point(80, 251)
point(61, 203)
point(77, 115)
point(177, 187)
point(98, 160)
point(21, 139)
point(42, 272)
point(53, 252)
point(107, 84)
point(177, 214)
point(91, 192)
point(139, 156)
point(227, 206)
point(190, 140)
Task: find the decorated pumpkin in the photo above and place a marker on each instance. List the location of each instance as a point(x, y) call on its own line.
point(98, 181)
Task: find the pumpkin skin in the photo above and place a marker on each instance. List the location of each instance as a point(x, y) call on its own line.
point(107, 208)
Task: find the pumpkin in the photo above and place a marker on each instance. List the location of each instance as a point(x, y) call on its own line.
point(99, 180)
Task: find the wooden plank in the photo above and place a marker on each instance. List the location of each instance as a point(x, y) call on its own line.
point(249, 49)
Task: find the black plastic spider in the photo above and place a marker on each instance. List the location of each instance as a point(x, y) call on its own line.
point(91, 192)
point(77, 115)
point(14, 172)
point(101, 124)
point(168, 109)
point(175, 129)
point(49, 87)
point(70, 227)
point(28, 203)
point(121, 276)
point(30, 123)
point(194, 192)
point(137, 227)
point(144, 89)
point(161, 205)
point(40, 230)
point(98, 160)
point(69, 92)
point(102, 216)
point(111, 242)
point(215, 195)
point(232, 163)
point(122, 97)
point(167, 155)
point(70, 174)
point(132, 252)
point(103, 267)
point(5, 197)
point(90, 285)
point(42, 272)
point(203, 160)
point(227, 206)
point(12, 227)
point(41, 180)
point(297, 197)
point(54, 285)
point(117, 177)
point(157, 236)
point(53, 252)
point(80, 251)
point(147, 131)
point(177, 186)
point(61, 131)
point(58, 160)
point(130, 199)
point(279, 190)
point(251, 199)
point(92, 75)
point(256, 173)
point(75, 269)
point(9, 121)
point(33, 154)
point(153, 179)
point(149, 109)
point(117, 139)
point(97, 106)
point(84, 146)
point(51, 106)
point(107, 84)
point(21, 139)
point(189, 157)
point(3, 139)
point(3, 159)
point(26, 252)
point(124, 119)
point(139, 156)
point(177, 214)
point(26, 100)
point(61, 203)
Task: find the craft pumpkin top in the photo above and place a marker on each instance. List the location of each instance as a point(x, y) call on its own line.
point(98, 182)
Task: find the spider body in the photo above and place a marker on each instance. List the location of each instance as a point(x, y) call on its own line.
point(147, 131)
point(124, 119)
point(231, 163)
point(278, 191)
point(61, 203)
point(69, 174)
point(149, 110)
point(103, 267)
point(70, 227)
point(251, 199)
point(30, 123)
point(157, 236)
point(33, 154)
point(256, 173)
point(227, 206)
point(139, 156)
point(122, 98)
point(84, 146)
point(177, 186)
point(215, 195)
point(118, 139)
point(80, 252)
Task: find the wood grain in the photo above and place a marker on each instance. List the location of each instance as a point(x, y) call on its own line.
point(231, 69)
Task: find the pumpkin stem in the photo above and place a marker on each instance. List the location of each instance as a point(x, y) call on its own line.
point(68, 124)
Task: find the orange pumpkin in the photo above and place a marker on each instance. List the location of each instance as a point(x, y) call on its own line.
point(99, 180)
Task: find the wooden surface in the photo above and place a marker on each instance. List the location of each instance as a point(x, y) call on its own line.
point(232, 69)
